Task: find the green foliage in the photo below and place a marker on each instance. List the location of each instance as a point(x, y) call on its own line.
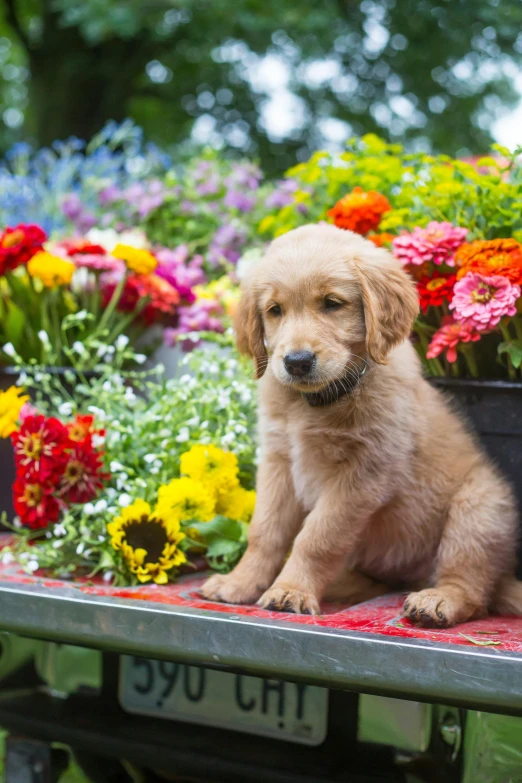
point(420, 188)
point(226, 541)
point(433, 70)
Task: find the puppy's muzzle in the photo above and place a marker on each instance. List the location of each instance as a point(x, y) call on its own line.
point(299, 364)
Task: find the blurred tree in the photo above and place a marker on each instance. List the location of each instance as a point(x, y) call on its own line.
point(274, 79)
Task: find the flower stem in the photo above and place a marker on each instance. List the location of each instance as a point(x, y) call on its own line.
point(469, 356)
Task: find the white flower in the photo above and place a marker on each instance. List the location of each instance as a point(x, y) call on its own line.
point(97, 440)
point(185, 379)
point(122, 342)
point(79, 348)
point(107, 577)
point(80, 548)
point(129, 394)
point(65, 409)
point(98, 412)
point(43, 337)
point(60, 530)
point(100, 506)
point(116, 467)
point(150, 458)
point(58, 543)
point(106, 386)
point(7, 558)
point(121, 481)
point(204, 425)
point(9, 349)
point(184, 435)
point(101, 539)
point(140, 358)
point(32, 566)
point(193, 422)
point(228, 439)
point(124, 500)
point(22, 379)
point(88, 509)
point(240, 429)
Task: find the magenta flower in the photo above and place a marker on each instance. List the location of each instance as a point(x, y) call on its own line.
point(437, 242)
point(449, 337)
point(481, 301)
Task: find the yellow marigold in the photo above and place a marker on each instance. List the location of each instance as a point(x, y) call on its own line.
point(360, 211)
point(148, 542)
point(137, 260)
point(491, 257)
point(238, 504)
point(51, 270)
point(215, 468)
point(186, 498)
point(11, 403)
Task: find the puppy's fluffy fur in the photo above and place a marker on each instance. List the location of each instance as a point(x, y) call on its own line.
point(383, 488)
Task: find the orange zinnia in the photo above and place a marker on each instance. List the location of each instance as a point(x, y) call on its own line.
point(491, 257)
point(381, 240)
point(360, 211)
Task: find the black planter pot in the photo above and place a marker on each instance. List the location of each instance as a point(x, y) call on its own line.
point(494, 408)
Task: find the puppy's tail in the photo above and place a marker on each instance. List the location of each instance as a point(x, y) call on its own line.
point(508, 597)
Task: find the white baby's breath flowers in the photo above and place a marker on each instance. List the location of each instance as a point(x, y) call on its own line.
point(98, 440)
point(80, 548)
point(122, 342)
point(79, 348)
point(9, 350)
point(7, 558)
point(44, 338)
point(33, 566)
point(65, 409)
point(59, 530)
point(183, 436)
point(124, 500)
point(140, 358)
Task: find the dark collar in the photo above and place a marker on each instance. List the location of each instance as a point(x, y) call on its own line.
point(335, 390)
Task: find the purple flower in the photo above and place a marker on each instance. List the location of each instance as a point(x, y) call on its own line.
point(226, 245)
point(238, 200)
point(208, 187)
point(246, 175)
point(282, 196)
point(109, 195)
point(198, 317)
point(72, 206)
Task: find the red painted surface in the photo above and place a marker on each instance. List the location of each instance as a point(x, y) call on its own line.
point(380, 616)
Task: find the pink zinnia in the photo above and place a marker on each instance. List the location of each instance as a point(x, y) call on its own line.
point(449, 337)
point(482, 301)
point(437, 242)
point(98, 263)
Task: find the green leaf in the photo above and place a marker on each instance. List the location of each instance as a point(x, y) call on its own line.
point(514, 349)
point(14, 323)
point(219, 528)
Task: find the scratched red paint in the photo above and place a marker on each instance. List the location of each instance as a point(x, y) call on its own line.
point(380, 616)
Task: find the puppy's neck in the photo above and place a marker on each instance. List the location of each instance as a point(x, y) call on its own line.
point(336, 390)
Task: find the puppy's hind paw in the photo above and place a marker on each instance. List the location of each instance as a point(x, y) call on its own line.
point(286, 599)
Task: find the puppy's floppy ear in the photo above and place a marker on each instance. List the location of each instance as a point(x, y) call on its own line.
point(250, 333)
point(390, 300)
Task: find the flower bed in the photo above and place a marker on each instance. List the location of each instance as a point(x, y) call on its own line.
point(135, 475)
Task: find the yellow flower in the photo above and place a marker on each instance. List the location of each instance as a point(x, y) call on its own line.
point(51, 270)
point(140, 261)
point(184, 499)
point(238, 504)
point(11, 403)
point(147, 541)
point(215, 468)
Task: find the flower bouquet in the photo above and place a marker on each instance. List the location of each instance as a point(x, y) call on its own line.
point(456, 226)
point(67, 303)
point(134, 486)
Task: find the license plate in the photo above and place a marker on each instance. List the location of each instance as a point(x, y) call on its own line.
point(271, 708)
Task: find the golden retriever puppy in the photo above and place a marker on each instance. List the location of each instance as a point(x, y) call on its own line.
point(368, 479)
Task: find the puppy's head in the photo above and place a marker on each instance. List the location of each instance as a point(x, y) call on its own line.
point(320, 302)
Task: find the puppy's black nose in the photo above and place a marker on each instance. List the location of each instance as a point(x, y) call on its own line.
point(299, 363)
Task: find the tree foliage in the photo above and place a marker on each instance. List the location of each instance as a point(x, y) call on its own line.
point(269, 78)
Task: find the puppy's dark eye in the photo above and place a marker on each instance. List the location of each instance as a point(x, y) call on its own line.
point(275, 310)
point(332, 304)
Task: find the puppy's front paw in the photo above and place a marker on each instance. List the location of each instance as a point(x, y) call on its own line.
point(227, 589)
point(440, 608)
point(287, 599)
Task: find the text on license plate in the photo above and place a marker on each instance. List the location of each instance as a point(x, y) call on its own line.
point(271, 708)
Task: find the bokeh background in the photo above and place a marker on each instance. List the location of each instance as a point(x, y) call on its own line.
point(269, 78)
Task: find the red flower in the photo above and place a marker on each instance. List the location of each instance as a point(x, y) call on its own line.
point(39, 447)
point(433, 291)
point(163, 298)
point(34, 503)
point(18, 245)
point(82, 428)
point(83, 474)
point(82, 247)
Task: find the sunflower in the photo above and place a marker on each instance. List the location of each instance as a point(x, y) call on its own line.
point(186, 498)
point(238, 504)
point(215, 468)
point(148, 542)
